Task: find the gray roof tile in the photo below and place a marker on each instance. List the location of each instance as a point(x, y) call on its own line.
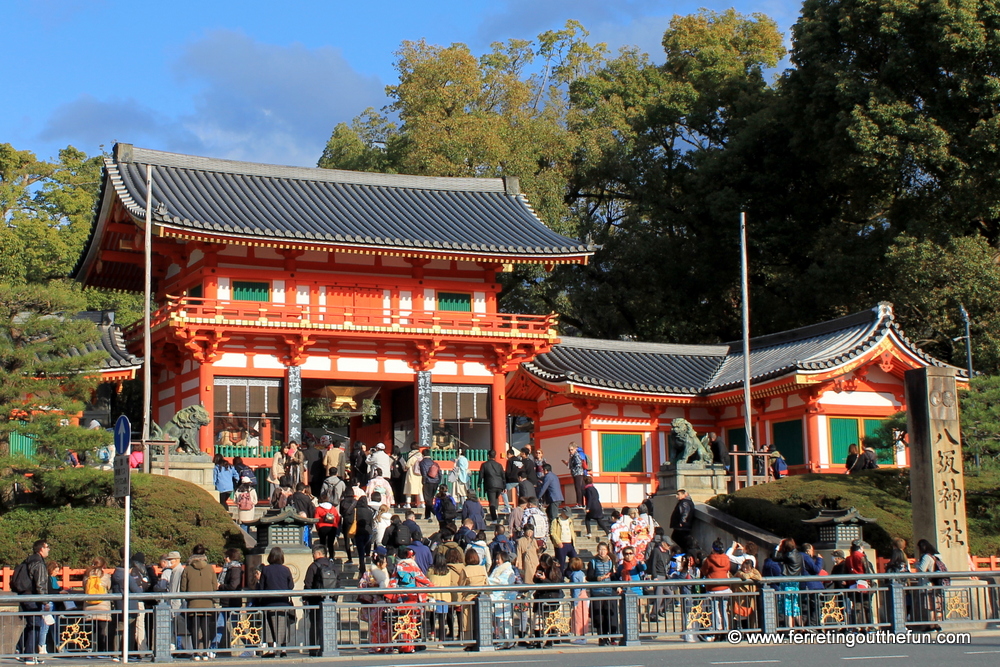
point(470, 215)
point(702, 369)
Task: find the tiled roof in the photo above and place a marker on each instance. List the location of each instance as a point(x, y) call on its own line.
point(626, 366)
point(702, 369)
point(111, 341)
point(327, 206)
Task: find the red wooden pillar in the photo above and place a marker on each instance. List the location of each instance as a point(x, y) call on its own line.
point(498, 412)
point(206, 387)
point(385, 424)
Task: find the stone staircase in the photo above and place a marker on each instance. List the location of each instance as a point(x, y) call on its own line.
point(586, 547)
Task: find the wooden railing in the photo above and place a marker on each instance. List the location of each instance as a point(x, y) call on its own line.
point(346, 318)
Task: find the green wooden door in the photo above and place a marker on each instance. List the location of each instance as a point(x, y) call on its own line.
point(789, 441)
point(247, 291)
point(455, 302)
point(21, 445)
point(843, 434)
point(736, 438)
point(885, 456)
point(621, 452)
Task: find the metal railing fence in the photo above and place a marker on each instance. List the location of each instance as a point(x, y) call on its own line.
point(327, 623)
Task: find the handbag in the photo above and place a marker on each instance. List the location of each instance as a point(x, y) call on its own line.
point(742, 610)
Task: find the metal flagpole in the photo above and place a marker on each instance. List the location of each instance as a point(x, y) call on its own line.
point(745, 288)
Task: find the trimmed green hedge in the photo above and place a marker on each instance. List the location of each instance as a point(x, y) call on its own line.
point(883, 495)
point(77, 515)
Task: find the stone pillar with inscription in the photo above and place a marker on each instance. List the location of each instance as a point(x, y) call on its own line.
point(295, 404)
point(937, 484)
point(424, 429)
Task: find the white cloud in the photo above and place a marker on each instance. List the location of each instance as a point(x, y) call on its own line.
point(250, 101)
point(270, 103)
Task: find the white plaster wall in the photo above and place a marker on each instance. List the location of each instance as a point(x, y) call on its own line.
point(560, 412)
point(232, 360)
point(224, 291)
point(635, 493)
point(702, 414)
point(267, 361)
point(302, 295)
point(730, 412)
point(398, 366)
point(234, 251)
point(173, 270)
point(190, 385)
point(595, 452)
point(868, 399)
point(166, 393)
point(266, 253)
point(606, 409)
point(317, 363)
point(634, 411)
point(165, 413)
point(794, 400)
point(445, 368)
point(479, 302)
point(278, 291)
point(389, 260)
point(195, 257)
point(476, 368)
point(608, 493)
point(429, 299)
point(824, 441)
point(354, 365)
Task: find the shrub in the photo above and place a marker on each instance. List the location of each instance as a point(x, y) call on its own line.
point(779, 507)
point(167, 514)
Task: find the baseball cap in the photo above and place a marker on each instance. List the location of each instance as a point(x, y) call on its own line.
point(380, 445)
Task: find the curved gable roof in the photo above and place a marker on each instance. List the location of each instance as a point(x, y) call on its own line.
point(472, 216)
point(703, 369)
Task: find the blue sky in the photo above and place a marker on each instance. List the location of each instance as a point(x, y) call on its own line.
point(260, 81)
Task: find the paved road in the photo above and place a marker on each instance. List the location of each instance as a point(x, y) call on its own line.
point(984, 651)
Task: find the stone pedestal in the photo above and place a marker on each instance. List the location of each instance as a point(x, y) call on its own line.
point(196, 469)
point(701, 482)
point(937, 482)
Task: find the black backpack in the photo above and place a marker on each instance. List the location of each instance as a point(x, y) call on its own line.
point(21, 582)
point(327, 575)
point(404, 537)
point(449, 510)
point(397, 470)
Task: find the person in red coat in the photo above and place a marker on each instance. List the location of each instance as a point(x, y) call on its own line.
point(716, 566)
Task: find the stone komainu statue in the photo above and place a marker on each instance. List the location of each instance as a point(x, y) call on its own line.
point(183, 428)
point(685, 445)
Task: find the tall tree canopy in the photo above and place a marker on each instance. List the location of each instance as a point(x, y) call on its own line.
point(867, 168)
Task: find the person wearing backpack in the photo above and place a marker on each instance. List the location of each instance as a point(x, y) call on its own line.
point(246, 502)
point(578, 470)
point(931, 605)
point(31, 577)
point(430, 473)
point(445, 507)
point(492, 475)
point(320, 575)
point(98, 582)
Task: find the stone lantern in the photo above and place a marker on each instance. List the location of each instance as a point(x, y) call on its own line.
point(837, 529)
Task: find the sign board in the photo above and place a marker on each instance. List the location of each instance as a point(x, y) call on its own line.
point(123, 435)
point(123, 476)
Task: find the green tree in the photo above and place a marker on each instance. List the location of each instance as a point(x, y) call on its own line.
point(46, 208)
point(980, 414)
point(928, 281)
point(651, 182)
point(45, 372)
point(500, 114)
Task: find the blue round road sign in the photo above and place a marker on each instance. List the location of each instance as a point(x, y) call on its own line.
point(123, 435)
